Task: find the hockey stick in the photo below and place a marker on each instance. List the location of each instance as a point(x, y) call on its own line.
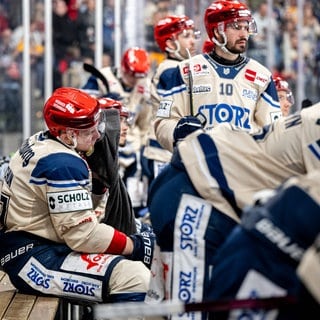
point(107, 311)
point(200, 116)
point(190, 81)
point(95, 72)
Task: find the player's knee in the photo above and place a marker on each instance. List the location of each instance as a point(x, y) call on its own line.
point(129, 276)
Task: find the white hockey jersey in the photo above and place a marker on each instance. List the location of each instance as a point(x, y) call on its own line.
point(243, 94)
point(153, 149)
point(47, 192)
point(230, 162)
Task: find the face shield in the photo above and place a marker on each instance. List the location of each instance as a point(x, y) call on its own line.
point(247, 24)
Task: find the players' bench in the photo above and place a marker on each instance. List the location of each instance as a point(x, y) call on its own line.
point(18, 306)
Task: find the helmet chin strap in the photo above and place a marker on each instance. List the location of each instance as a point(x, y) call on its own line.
point(74, 144)
point(90, 151)
point(176, 52)
point(222, 45)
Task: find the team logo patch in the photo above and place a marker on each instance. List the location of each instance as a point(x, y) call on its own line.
point(69, 201)
point(226, 71)
point(255, 77)
point(164, 109)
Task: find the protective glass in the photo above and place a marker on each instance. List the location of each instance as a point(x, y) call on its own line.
point(283, 95)
point(248, 25)
point(191, 33)
point(87, 135)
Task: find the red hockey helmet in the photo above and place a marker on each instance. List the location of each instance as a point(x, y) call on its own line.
point(70, 108)
point(283, 85)
point(227, 11)
point(106, 103)
point(169, 27)
point(136, 62)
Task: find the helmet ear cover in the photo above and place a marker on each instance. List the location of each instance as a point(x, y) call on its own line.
point(70, 108)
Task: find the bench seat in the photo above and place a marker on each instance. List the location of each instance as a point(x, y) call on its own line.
point(18, 306)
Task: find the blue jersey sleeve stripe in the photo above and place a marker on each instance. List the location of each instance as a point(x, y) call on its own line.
point(269, 99)
point(60, 170)
point(166, 93)
point(213, 162)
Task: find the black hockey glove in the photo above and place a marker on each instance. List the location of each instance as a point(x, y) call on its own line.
point(98, 187)
point(143, 226)
point(143, 245)
point(184, 127)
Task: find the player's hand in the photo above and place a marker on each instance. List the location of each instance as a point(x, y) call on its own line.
point(143, 226)
point(143, 246)
point(184, 127)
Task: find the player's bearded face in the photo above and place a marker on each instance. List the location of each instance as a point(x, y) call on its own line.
point(238, 46)
point(237, 34)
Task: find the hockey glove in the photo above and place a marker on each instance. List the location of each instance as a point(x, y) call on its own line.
point(184, 127)
point(98, 187)
point(104, 162)
point(143, 226)
point(143, 245)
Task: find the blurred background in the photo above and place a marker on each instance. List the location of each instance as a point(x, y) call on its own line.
point(44, 43)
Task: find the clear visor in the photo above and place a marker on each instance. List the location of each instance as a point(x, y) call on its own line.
point(290, 97)
point(101, 125)
point(130, 118)
point(286, 95)
point(191, 33)
point(248, 24)
point(98, 128)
